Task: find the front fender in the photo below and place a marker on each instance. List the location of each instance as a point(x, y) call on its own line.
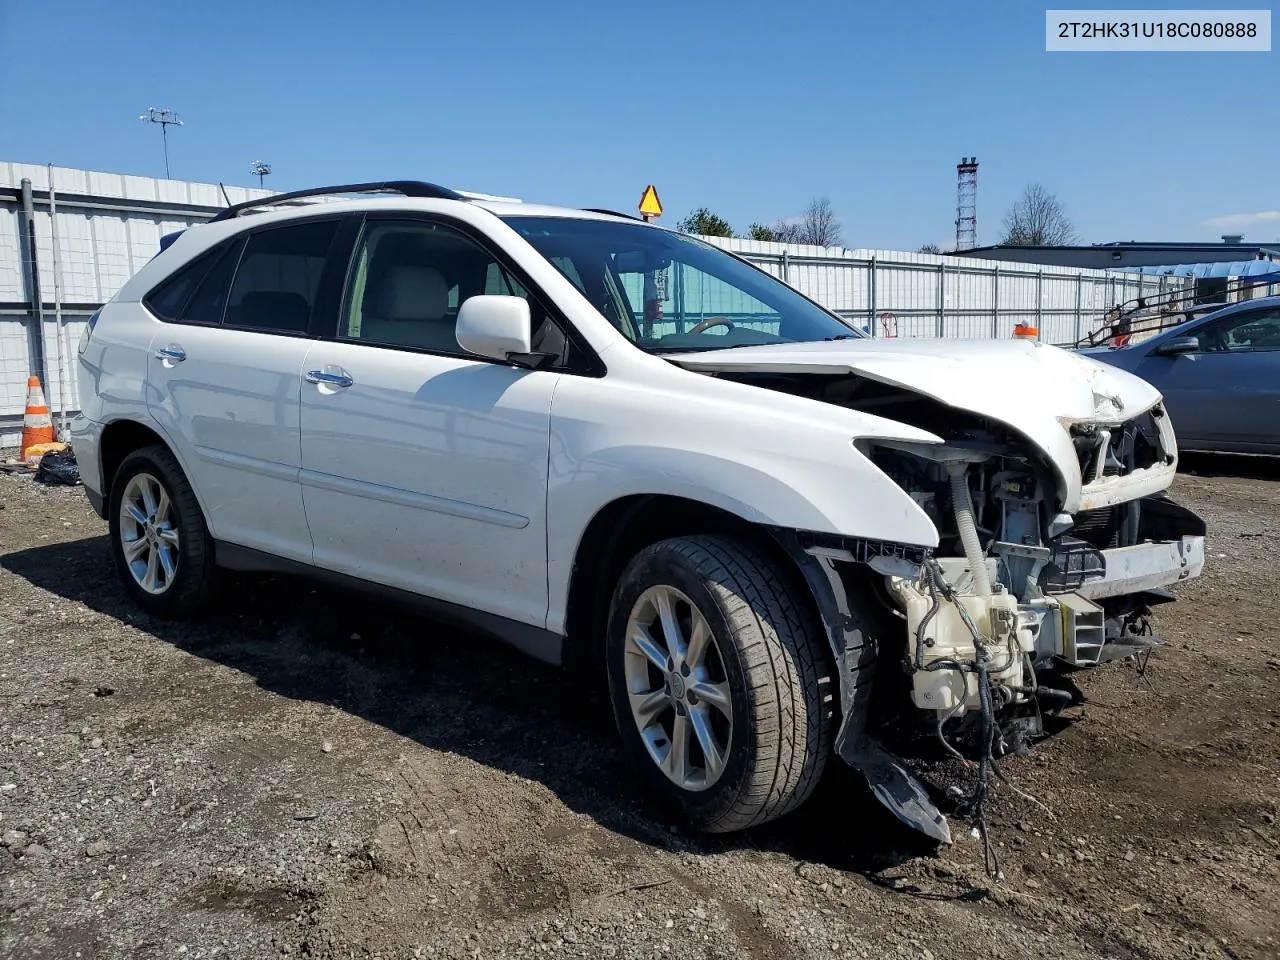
point(768, 458)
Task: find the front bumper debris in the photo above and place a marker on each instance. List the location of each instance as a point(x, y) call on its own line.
point(1145, 566)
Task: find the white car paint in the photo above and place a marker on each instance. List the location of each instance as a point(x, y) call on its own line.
point(1055, 388)
point(428, 474)
point(231, 411)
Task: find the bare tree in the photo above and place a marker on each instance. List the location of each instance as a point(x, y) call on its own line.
point(819, 224)
point(1037, 220)
point(929, 248)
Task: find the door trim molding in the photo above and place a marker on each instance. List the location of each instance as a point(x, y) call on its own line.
point(408, 498)
point(238, 461)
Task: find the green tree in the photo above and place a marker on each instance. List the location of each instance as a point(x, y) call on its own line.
point(703, 223)
point(773, 234)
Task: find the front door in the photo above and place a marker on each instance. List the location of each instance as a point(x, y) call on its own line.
point(423, 468)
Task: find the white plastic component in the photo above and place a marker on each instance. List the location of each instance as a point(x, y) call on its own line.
point(1083, 630)
point(1029, 630)
point(965, 524)
point(995, 618)
point(493, 326)
point(955, 571)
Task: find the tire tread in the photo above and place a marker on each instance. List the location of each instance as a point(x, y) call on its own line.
point(786, 671)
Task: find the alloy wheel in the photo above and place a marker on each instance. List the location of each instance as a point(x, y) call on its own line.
point(677, 688)
point(148, 533)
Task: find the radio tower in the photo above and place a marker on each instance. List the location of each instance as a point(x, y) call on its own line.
point(967, 203)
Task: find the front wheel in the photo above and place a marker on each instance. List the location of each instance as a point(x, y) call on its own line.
point(719, 682)
point(162, 548)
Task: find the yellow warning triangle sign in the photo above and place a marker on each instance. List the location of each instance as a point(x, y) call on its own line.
point(650, 205)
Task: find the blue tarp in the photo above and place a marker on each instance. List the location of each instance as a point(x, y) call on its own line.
point(1253, 269)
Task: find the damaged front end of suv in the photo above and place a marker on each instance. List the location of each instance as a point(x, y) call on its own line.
point(1056, 538)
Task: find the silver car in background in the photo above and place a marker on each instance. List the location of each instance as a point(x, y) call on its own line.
point(1220, 376)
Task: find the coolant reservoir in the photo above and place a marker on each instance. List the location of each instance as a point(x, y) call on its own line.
point(945, 689)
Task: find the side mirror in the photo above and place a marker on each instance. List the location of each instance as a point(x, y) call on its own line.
point(1177, 346)
point(495, 327)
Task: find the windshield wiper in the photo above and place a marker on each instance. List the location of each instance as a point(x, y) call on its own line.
point(843, 336)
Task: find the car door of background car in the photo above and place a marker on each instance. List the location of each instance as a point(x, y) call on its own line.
point(1226, 395)
point(424, 468)
point(224, 372)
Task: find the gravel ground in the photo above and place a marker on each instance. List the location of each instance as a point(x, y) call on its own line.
point(304, 773)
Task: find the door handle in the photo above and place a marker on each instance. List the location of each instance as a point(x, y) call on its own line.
point(172, 353)
point(329, 379)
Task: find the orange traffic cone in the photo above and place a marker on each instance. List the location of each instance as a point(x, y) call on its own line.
point(37, 424)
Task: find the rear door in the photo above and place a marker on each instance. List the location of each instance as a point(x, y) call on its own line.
point(225, 371)
point(1226, 395)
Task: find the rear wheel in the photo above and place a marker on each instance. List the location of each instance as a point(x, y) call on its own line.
point(718, 680)
point(162, 548)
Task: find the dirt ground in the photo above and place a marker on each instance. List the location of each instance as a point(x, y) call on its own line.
point(301, 773)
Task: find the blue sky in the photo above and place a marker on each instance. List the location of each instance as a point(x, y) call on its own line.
point(749, 108)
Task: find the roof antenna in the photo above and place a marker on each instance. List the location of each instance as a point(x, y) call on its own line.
point(225, 198)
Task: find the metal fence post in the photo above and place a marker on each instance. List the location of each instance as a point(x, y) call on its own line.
point(31, 261)
point(1039, 302)
point(1079, 304)
point(677, 281)
point(995, 304)
point(786, 267)
point(942, 286)
point(872, 321)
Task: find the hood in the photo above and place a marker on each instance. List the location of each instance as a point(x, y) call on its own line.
point(1037, 389)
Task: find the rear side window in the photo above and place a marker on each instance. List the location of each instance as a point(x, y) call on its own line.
point(278, 276)
point(209, 300)
point(169, 299)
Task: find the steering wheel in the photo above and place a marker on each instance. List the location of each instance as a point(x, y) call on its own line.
point(711, 322)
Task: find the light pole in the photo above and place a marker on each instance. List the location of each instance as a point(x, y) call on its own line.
point(261, 168)
point(166, 118)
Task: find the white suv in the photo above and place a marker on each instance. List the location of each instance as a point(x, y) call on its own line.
point(611, 444)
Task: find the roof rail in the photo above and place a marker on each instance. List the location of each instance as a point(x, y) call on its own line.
point(611, 213)
point(408, 188)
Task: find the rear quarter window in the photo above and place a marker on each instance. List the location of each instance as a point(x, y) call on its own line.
point(169, 299)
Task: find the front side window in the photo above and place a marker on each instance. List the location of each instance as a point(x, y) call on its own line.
point(1249, 332)
point(665, 291)
point(409, 279)
point(278, 277)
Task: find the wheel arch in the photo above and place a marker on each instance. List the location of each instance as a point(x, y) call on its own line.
point(621, 529)
point(121, 438)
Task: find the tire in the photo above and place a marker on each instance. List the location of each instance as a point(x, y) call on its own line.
point(769, 747)
point(179, 580)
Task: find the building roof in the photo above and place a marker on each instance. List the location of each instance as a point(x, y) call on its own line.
point(1271, 248)
point(1254, 269)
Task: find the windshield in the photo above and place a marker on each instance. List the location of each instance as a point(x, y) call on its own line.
point(665, 291)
